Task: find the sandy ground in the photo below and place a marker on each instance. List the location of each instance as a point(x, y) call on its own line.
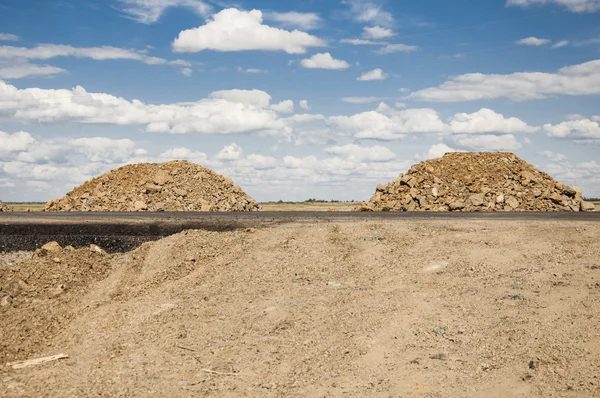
point(408, 308)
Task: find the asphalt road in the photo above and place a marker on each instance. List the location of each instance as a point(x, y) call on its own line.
point(118, 232)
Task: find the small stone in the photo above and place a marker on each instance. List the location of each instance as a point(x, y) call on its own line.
point(477, 200)
point(97, 249)
point(537, 193)
point(52, 247)
point(440, 356)
point(457, 205)
point(531, 364)
point(56, 260)
point(381, 188)
point(435, 192)
point(512, 202)
point(500, 198)
point(151, 188)
point(180, 192)
point(439, 331)
point(161, 178)
point(139, 205)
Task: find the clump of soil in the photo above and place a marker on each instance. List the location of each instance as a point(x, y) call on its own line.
point(171, 186)
point(476, 181)
point(4, 207)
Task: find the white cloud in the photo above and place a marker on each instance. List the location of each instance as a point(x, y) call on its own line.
point(394, 124)
point(437, 151)
point(230, 152)
point(304, 105)
point(555, 156)
point(367, 12)
point(533, 41)
point(572, 5)
point(187, 72)
point(377, 32)
point(292, 19)
point(375, 74)
point(224, 112)
point(9, 37)
point(581, 79)
point(360, 100)
point(15, 142)
point(560, 44)
point(487, 121)
point(487, 142)
point(22, 68)
point(359, 153)
point(324, 61)
point(235, 30)
point(361, 42)
point(149, 11)
point(575, 129)
point(48, 51)
point(258, 162)
point(182, 153)
point(251, 70)
point(286, 106)
point(395, 48)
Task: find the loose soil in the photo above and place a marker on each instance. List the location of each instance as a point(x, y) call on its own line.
point(171, 186)
point(476, 181)
point(431, 308)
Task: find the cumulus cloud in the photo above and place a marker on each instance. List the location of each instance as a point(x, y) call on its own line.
point(286, 106)
point(324, 61)
point(357, 153)
point(293, 19)
point(150, 11)
point(533, 41)
point(8, 37)
point(581, 79)
point(251, 70)
point(487, 121)
point(571, 5)
point(304, 105)
point(230, 152)
point(375, 74)
point(235, 30)
point(224, 112)
point(555, 156)
point(396, 48)
point(377, 32)
point(437, 151)
point(361, 42)
point(187, 72)
point(489, 142)
point(578, 129)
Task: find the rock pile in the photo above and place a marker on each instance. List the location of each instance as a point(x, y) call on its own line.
point(3, 207)
point(476, 181)
point(171, 186)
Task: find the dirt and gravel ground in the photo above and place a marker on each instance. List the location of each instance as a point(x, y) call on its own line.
point(427, 308)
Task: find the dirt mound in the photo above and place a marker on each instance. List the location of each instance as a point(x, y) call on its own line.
point(4, 207)
point(37, 294)
point(172, 186)
point(432, 308)
point(476, 181)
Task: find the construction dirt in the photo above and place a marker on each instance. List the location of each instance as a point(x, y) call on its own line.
point(172, 186)
point(476, 181)
point(3, 207)
point(407, 308)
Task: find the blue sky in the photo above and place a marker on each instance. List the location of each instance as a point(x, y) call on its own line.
point(296, 99)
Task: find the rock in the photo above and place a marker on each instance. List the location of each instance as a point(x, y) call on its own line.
point(536, 193)
point(180, 192)
point(380, 188)
point(434, 192)
point(512, 202)
point(151, 188)
point(477, 199)
point(500, 198)
point(139, 205)
point(571, 192)
point(161, 178)
point(457, 205)
point(97, 249)
point(587, 206)
point(52, 247)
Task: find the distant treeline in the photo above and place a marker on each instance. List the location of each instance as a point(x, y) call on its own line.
point(25, 203)
point(313, 200)
point(592, 199)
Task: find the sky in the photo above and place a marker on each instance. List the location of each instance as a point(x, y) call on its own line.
point(294, 99)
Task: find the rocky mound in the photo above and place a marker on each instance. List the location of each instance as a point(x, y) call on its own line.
point(171, 186)
point(476, 181)
point(3, 207)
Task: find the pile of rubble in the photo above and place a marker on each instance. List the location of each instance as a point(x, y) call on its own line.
point(171, 186)
point(4, 207)
point(476, 181)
